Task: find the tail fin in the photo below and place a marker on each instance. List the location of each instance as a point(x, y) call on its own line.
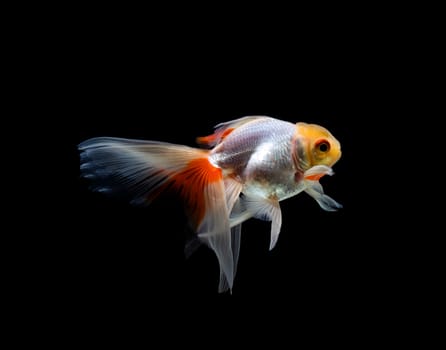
point(142, 170)
point(137, 170)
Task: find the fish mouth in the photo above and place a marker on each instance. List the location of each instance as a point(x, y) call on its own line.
point(317, 171)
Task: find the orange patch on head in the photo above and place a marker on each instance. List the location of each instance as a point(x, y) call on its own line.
point(320, 146)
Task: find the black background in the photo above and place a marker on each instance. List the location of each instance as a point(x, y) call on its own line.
point(121, 76)
point(124, 92)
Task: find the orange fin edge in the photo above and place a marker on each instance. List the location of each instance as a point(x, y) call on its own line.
point(191, 184)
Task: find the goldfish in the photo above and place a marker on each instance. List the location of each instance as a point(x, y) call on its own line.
point(241, 171)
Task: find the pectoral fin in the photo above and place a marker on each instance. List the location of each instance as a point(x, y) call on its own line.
point(315, 190)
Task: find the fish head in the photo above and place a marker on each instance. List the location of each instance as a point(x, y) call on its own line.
point(315, 145)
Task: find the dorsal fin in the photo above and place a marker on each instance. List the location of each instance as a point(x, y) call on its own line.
point(215, 138)
point(224, 129)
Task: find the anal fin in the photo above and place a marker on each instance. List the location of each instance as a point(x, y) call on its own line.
point(263, 209)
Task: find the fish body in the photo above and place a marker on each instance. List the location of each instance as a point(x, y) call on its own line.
point(242, 171)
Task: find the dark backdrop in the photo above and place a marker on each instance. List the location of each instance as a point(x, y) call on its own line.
point(137, 80)
point(122, 250)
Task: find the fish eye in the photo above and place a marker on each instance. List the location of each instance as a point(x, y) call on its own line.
point(323, 146)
